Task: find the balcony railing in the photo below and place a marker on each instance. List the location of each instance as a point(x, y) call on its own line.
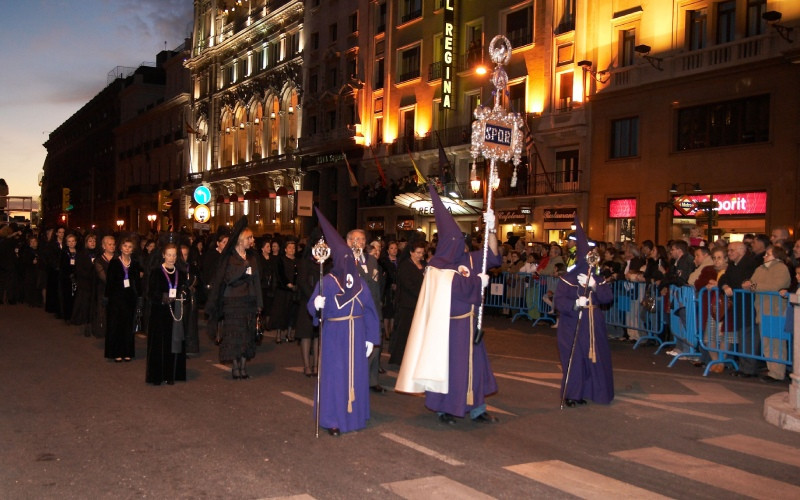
point(249, 168)
point(408, 75)
point(411, 16)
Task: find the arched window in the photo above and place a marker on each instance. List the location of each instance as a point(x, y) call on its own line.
point(226, 139)
point(257, 115)
point(290, 121)
point(274, 124)
point(241, 135)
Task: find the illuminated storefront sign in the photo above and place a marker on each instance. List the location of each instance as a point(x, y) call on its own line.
point(622, 208)
point(559, 215)
point(750, 203)
point(447, 54)
point(510, 217)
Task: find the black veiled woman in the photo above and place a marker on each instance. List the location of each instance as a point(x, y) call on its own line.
point(33, 272)
point(99, 315)
point(235, 301)
point(190, 307)
point(308, 274)
point(123, 289)
point(85, 279)
point(410, 273)
point(389, 263)
point(284, 306)
point(51, 254)
point(166, 291)
point(266, 269)
point(67, 279)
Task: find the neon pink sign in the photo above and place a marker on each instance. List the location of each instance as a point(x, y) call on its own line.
point(622, 209)
point(752, 203)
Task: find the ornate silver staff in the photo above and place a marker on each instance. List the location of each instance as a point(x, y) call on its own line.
point(593, 260)
point(321, 251)
point(496, 135)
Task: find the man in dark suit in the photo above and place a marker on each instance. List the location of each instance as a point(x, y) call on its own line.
point(741, 265)
point(370, 271)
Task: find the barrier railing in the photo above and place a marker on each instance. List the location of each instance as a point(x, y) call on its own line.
point(746, 325)
point(523, 295)
point(639, 309)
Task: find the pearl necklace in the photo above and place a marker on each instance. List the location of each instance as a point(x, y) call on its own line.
point(167, 270)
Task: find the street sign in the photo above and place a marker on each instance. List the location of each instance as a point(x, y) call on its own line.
point(202, 214)
point(202, 195)
point(684, 205)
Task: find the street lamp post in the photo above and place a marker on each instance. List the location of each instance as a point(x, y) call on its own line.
point(152, 218)
point(120, 223)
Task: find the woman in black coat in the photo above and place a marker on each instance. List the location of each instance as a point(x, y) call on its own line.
point(283, 315)
point(123, 292)
point(410, 273)
point(85, 278)
point(33, 272)
point(166, 291)
point(51, 254)
point(67, 278)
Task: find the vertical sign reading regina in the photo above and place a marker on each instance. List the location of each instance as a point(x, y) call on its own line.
point(496, 135)
point(448, 40)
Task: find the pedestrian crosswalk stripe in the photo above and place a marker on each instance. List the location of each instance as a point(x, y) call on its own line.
point(434, 487)
point(298, 397)
point(495, 409)
point(580, 482)
point(769, 450)
point(421, 449)
point(694, 413)
point(304, 496)
point(703, 471)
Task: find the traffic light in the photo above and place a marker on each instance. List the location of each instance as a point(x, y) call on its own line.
point(164, 201)
point(65, 200)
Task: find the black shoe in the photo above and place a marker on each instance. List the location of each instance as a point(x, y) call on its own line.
point(381, 370)
point(741, 374)
point(234, 376)
point(572, 403)
point(170, 382)
point(769, 379)
point(485, 418)
point(244, 375)
point(377, 388)
point(446, 418)
point(278, 340)
point(334, 431)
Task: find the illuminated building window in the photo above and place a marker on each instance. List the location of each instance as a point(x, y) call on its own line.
point(353, 22)
point(407, 128)
point(625, 137)
point(410, 10)
point(333, 30)
point(566, 170)
point(627, 41)
point(516, 96)
point(727, 123)
point(726, 21)
point(408, 61)
point(472, 99)
point(565, 16)
point(379, 130)
point(380, 24)
point(756, 25)
point(379, 74)
point(519, 26)
point(696, 29)
point(565, 91)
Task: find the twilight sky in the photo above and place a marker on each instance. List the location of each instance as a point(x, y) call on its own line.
point(55, 57)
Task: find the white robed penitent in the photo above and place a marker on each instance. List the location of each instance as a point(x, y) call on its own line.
point(425, 364)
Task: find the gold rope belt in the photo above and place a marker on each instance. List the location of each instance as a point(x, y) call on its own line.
point(469, 315)
point(592, 353)
point(351, 392)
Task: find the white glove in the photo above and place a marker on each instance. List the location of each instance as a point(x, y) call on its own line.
point(582, 302)
point(319, 302)
point(582, 281)
point(489, 219)
point(484, 279)
point(369, 348)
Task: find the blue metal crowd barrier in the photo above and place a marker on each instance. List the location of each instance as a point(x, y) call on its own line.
point(523, 295)
point(637, 308)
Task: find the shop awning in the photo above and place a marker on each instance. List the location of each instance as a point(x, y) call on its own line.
point(421, 203)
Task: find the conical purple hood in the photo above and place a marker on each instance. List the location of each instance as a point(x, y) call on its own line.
point(582, 249)
point(450, 250)
point(344, 264)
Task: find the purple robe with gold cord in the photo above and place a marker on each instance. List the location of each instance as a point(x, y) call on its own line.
point(470, 377)
point(591, 375)
point(349, 321)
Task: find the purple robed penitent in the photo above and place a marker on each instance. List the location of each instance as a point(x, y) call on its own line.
point(590, 376)
point(466, 295)
point(337, 352)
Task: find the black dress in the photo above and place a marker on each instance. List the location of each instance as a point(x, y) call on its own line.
point(241, 299)
point(390, 286)
point(99, 301)
point(190, 309)
point(67, 282)
point(51, 254)
point(166, 352)
point(409, 283)
point(33, 274)
point(121, 308)
point(283, 313)
point(85, 284)
point(307, 283)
